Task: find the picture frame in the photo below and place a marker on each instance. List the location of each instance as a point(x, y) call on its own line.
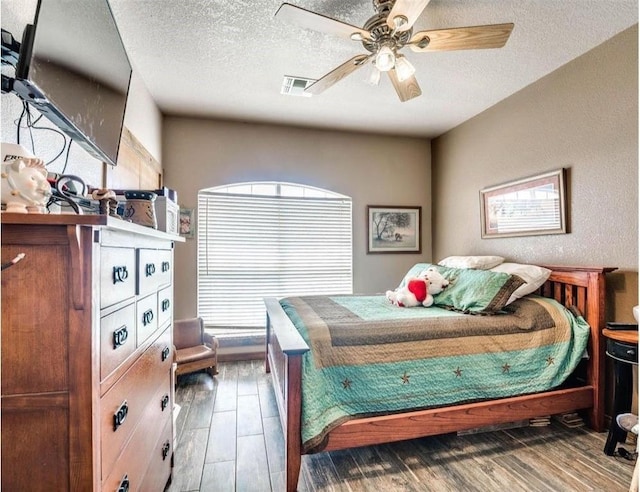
point(393, 229)
point(187, 222)
point(525, 207)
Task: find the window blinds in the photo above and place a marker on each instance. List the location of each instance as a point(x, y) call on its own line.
point(251, 247)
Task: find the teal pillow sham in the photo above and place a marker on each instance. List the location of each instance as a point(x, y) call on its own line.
point(476, 291)
point(414, 271)
point(471, 291)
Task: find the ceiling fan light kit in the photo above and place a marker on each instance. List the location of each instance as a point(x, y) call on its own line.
point(404, 68)
point(385, 34)
point(385, 59)
point(373, 75)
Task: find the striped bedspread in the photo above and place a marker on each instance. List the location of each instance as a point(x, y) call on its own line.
point(369, 357)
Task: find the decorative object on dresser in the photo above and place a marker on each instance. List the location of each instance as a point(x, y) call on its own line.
point(165, 207)
point(140, 209)
point(25, 188)
point(90, 409)
point(525, 207)
point(167, 212)
point(194, 348)
point(108, 205)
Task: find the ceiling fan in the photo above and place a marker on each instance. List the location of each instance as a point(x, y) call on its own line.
point(385, 34)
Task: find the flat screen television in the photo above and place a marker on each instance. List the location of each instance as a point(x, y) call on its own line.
point(74, 69)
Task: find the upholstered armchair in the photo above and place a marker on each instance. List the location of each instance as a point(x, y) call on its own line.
point(194, 349)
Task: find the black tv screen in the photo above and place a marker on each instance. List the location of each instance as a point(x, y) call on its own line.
point(74, 69)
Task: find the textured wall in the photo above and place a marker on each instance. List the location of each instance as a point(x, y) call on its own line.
point(583, 117)
point(371, 169)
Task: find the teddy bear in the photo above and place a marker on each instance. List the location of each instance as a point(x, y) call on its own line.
point(419, 290)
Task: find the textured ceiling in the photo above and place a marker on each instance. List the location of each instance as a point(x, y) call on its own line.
point(227, 58)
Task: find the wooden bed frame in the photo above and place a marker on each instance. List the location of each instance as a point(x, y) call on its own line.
point(582, 287)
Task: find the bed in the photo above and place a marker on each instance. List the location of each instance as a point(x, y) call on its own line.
point(580, 288)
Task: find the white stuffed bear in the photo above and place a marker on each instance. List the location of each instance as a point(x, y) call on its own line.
point(419, 290)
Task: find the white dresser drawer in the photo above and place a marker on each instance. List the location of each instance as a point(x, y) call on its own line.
point(165, 305)
point(159, 469)
point(117, 338)
point(122, 407)
point(147, 446)
point(146, 318)
point(117, 275)
point(154, 269)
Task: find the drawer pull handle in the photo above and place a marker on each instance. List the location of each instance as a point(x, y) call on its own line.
point(149, 269)
point(120, 416)
point(165, 266)
point(147, 317)
point(164, 402)
point(124, 484)
point(165, 305)
point(631, 352)
point(120, 336)
point(120, 274)
point(165, 354)
point(165, 450)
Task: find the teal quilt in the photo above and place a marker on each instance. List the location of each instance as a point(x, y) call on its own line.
point(369, 357)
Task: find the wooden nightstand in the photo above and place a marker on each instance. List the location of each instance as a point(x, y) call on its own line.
point(622, 347)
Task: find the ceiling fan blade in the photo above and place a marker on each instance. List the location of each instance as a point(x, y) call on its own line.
point(461, 38)
point(409, 9)
point(318, 22)
point(407, 89)
point(337, 74)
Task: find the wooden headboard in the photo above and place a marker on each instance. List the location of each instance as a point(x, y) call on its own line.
point(584, 289)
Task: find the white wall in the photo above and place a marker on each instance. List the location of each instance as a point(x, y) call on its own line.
point(143, 118)
point(371, 169)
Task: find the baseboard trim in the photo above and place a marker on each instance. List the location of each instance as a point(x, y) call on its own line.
point(244, 355)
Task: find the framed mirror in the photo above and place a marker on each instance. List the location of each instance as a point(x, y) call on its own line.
point(526, 207)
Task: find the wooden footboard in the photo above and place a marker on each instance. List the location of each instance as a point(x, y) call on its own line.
point(285, 348)
point(582, 288)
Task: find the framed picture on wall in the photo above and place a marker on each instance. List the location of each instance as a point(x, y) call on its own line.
point(393, 229)
point(187, 222)
point(525, 207)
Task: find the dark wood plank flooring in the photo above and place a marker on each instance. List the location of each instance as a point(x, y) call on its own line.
point(230, 439)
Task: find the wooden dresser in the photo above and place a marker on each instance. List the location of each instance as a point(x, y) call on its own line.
point(87, 391)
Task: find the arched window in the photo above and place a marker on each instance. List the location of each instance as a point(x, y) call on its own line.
point(264, 239)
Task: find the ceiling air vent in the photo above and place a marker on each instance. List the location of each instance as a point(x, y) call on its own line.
point(295, 86)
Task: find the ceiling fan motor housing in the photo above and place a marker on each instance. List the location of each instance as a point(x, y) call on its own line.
point(382, 34)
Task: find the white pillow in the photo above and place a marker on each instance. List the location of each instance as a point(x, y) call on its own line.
point(477, 262)
point(534, 276)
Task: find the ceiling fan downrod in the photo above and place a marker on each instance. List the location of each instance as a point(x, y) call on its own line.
point(383, 6)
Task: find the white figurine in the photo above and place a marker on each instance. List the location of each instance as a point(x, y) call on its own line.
point(25, 188)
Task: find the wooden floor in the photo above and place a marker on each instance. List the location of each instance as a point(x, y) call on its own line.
point(230, 439)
